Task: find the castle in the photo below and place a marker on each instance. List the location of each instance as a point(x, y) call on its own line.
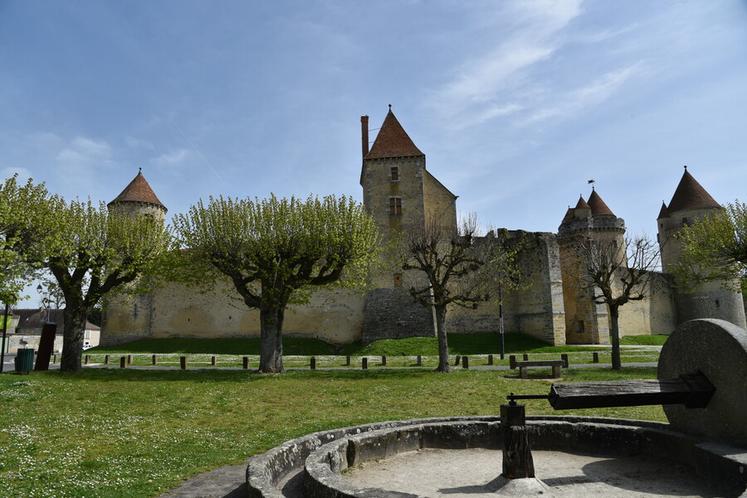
point(401, 195)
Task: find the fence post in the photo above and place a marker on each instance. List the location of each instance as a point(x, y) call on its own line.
point(490, 359)
point(183, 362)
point(383, 360)
point(512, 361)
point(457, 360)
point(312, 363)
point(212, 360)
point(245, 362)
point(85, 360)
point(595, 357)
point(129, 359)
point(153, 360)
point(419, 361)
point(526, 357)
point(564, 357)
point(122, 362)
point(364, 363)
point(106, 359)
point(347, 361)
point(465, 362)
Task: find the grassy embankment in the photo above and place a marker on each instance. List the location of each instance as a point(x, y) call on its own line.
point(137, 433)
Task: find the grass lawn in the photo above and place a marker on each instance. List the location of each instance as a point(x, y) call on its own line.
point(644, 340)
point(458, 344)
point(137, 433)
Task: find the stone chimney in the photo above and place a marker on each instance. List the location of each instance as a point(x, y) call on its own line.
point(364, 135)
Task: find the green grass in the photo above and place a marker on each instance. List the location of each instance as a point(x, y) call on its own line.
point(478, 343)
point(138, 433)
point(644, 340)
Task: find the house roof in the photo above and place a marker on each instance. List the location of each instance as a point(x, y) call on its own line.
point(138, 190)
point(598, 206)
point(581, 204)
point(663, 212)
point(392, 141)
point(34, 318)
point(691, 195)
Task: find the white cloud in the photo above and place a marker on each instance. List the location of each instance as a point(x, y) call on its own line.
point(586, 96)
point(82, 150)
point(173, 157)
point(476, 91)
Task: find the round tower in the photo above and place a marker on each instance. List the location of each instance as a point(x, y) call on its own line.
point(719, 299)
point(138, 198)
point(586, 322)
point(128, 317)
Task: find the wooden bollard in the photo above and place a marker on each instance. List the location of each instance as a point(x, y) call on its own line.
point(183, 362)
point(212, 361)
point(312, 363)
point(129, 359)
point(54, 359)
point(564, 358)
point(85, 360)
point(383, 361)
point(153, 360)
point(347, 361)
point(419, 361)
point(595, 357)
point(465, 362)
point(122, 362)
point(490, 359)
point(512, 361)
point(526, 357)
point(106, 359)
point(245, 363)
point(364, 363)
point(457, 360)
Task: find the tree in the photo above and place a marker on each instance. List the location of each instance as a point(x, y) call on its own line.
point(448, 259)
point(19, 225)
point(273, 249)
point(618, 274)
point(89, 251)
point(714, 248)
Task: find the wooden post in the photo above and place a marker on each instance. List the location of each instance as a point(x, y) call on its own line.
point(106, 359)
point(490, 359)
point(312, 363)
point(153, 360)
point(364, 363)
point(457, 360)
point(526, 357)
point(595, 357)
point(183, 362)
point(122, 362)
point(517, 456)
point(383, 360)
point(512, 361)
point(419, 361)
point(129, 359)
point(564, 357)
point(347, 361)
point(524, 372)
point(212, 360)
point(465, 362)
point(556, 371)
point(54, 359)
point(85, 360)
point(245, 363)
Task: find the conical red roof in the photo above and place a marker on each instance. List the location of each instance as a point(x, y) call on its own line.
point(597, 205)
point(392, 141)
point(581, 204)
point(138, 190)
point(663, 212)
point(691, 195)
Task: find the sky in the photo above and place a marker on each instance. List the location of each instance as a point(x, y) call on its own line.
point(516, 104)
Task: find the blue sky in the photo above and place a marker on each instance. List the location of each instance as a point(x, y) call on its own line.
point(515, 103)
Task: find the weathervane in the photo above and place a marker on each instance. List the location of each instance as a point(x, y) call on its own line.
point(592, 182)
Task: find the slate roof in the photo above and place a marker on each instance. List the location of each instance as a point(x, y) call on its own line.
point(138, 190)
point(691, 195)
point(392, 141)
point(597, 205)
point(663, 212)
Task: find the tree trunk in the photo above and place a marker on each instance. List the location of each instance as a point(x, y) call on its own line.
point(615, 337)
point(271, 347)
point(443, 345)
point(72, 336)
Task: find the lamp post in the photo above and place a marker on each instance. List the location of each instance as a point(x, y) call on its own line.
point(2, 343)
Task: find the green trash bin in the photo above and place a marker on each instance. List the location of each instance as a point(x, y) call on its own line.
point(24, 360)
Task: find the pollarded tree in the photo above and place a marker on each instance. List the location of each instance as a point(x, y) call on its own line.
point(618, 274)
point(273, 248)
point(449, 261)
point(714, 248)
point(88, 251)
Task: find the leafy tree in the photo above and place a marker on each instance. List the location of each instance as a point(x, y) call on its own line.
point(89, 251)
point(274, 249)
point(714, 248)
point(446, 259)
point(19, 226)
point(618, 274)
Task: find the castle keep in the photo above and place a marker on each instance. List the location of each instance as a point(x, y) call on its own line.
point(402, 195)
